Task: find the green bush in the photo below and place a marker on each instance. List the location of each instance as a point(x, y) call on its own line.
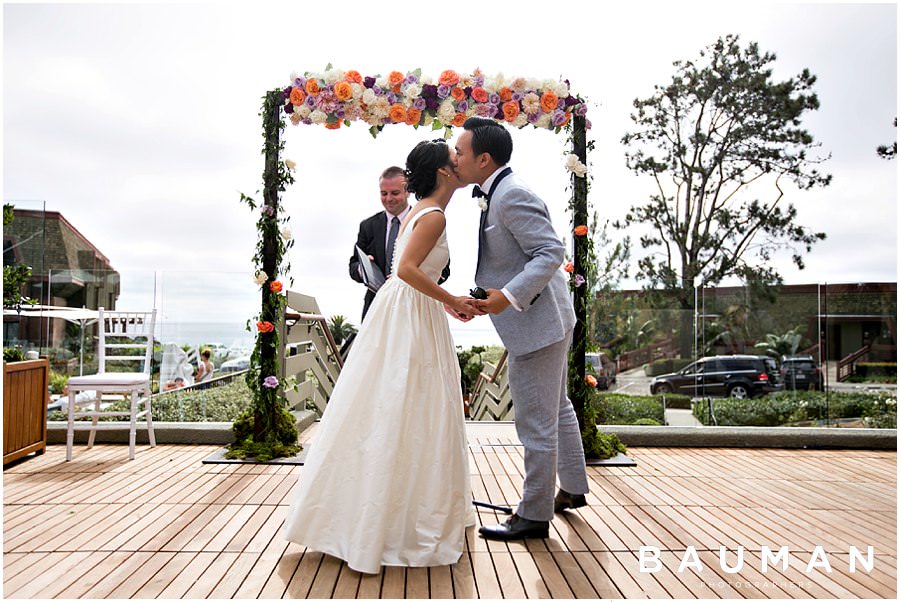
point(802, 408)
point(869, 369)
point(628, 409)
point(13, 354)
point(58, 380)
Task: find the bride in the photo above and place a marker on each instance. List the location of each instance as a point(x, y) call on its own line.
point(386, 480)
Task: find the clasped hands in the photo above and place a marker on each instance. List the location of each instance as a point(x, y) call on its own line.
point(466, 308)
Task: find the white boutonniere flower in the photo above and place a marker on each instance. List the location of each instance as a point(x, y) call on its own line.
point(286, 233)
point(260, 277)
point(482, 203)
point(575, 166)
point(291, 165)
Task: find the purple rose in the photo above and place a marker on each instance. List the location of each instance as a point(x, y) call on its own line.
point(300, 82)
point(517, 96)
point(468, 91)
point(579, 280)
point(571, 100)
point(533, 117)
point(429, 91)
point(420, 104)
point(485, 110)
point(288, 108)
point(587, 124)
point(268, 210)
point(432, 104)
point(463, 106)
point(411, 78)
point(369, 82)
point(443, 91)
point(391, 97)
point(340, 113)
point(286, 93)
point(377, 90)
point(581, 110)
point(498, 113)
point(306, 121)
point(310, 101)
point(494, 99)
point(271, 382)
point(558, 118)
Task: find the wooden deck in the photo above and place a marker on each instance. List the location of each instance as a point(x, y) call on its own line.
point(167, 526)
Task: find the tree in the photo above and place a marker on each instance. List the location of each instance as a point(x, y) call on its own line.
point(340, 328)
point(720, 142)
point(888, 152)
point(778, 345)
point(14, 276)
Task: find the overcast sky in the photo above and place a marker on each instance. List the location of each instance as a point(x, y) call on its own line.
point(139, 124)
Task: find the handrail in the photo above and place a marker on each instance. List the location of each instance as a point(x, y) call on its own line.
point(847, 365)
point(637, 357)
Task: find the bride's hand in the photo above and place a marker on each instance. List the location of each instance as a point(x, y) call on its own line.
point(467, 306)
point(456, 314)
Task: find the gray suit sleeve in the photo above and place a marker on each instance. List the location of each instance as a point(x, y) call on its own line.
point(528, 220)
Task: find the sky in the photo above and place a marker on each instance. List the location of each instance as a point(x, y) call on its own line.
point(139, 123)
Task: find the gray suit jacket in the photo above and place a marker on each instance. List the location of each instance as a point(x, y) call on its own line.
point(519, 250)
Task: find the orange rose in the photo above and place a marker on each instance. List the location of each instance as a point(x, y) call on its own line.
point(297, 96)
point(505, 94)
point(510, 110)
point(549, 100)
point(479, 94)
point(458, 120)
point(590, 380)
point(398, 113)
point(457, 93)
point(312, 86)
point(581, 230)
point(448, 78)
point(343, 91)
point(265, 326)
point(396, 78)
point(275, 286)
point(353, 77)
point(569, 267)
point(413, 115)
point(333, 125)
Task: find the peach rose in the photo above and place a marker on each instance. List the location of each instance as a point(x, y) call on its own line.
point(397, 113)
point(581, 230)
point(333, 125)
point(590, 380)
point(413, 115)
point(396, 78)
point(479, 94)
point(505, 94)
point(353, 77)
point(297, 96)
point(295, 119)
point(569, 267)
point(275, 286)
point(457, 93)
point(549, 100)
point(343, 91)
point(265, 326)
point(312, 86)
point(510, 110)
point(458, 120)
point(448, 78)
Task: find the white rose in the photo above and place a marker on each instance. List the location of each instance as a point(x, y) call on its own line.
point(412, 91)
point(427, 80)
point(357, 90)
point(561, 89)
point(294, 76)
point(446, 112)
point(291, 165)
point(533, 83)
point(520, 121)
point(260, 277)
point(368, 96)
point(318, 117)
point(286, 233)
point(381, 107)
point(491, 85)
point(544, 121)
point(482, 203)
point(575, 166)
point(333, 76)
point(383, 82)
point(302, 110)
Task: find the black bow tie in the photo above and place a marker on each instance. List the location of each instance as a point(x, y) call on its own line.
point(477, 192)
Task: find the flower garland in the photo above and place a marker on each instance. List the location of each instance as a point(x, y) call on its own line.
point(334, 97)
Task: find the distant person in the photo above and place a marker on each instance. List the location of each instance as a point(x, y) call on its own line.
point(378, 233)
point(171, 385)
point(205, 367)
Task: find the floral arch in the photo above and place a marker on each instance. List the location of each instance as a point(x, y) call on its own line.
point(334, 98)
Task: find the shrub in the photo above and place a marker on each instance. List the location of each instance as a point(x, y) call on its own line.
point(628, 409)
point(869, 369)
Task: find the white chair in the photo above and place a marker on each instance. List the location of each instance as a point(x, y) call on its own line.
point(119, 333)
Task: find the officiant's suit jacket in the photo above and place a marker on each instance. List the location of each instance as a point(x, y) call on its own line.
point(519, 250)
point(371, 239)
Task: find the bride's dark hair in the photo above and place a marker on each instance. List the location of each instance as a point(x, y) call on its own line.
point(422, 164)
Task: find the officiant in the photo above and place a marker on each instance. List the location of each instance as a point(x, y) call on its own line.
point(378, 233)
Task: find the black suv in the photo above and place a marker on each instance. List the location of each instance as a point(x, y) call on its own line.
point(738, 376)
point(801, 372)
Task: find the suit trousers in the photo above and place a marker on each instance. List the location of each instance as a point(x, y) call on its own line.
point(547, 427)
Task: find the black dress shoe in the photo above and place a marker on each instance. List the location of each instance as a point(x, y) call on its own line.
point(565, 500)
point(517, 527)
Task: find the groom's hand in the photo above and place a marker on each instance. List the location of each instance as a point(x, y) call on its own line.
point(495, 303)
point(459, 316)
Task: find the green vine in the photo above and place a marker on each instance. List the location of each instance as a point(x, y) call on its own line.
point(267, 430)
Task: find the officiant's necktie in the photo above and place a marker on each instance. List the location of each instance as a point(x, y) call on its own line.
point(392, 238)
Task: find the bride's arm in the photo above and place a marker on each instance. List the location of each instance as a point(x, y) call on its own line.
point(424, 236)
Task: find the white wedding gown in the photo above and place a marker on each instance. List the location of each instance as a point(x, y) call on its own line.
point(386, 480)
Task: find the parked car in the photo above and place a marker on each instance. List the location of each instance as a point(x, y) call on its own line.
point(738, 376)
point(604, 369)
point(235, 365)
point(801, 372)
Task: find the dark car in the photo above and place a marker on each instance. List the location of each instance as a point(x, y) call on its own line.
point(801, 372)
point(738, 376)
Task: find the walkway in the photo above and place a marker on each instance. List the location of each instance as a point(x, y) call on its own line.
point(167, 526)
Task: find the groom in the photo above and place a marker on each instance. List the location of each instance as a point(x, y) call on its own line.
point(519, 259)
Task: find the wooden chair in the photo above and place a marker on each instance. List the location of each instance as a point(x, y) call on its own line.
point(120, 333)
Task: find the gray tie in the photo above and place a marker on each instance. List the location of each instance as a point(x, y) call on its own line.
point(392, 238)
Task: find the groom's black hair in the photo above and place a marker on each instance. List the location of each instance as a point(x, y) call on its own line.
point(490, 137)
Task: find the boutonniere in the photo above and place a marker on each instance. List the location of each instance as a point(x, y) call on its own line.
point(483, 204)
